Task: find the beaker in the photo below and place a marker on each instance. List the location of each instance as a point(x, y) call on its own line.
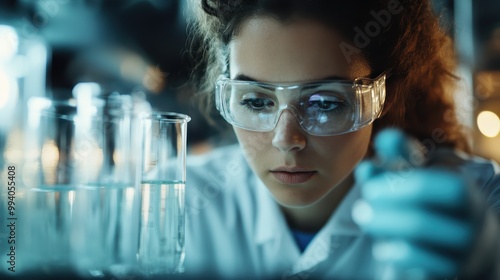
point(82, 194)
point(23, 63)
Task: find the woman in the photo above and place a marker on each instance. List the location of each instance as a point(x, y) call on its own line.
point(313, 190)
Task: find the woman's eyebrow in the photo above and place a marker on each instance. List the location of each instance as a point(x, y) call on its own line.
point(243, 77)
point(334, 77)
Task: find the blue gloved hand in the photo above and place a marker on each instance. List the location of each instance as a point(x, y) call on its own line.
point(426, 222)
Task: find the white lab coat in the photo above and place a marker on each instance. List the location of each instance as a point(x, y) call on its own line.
point(235, 229)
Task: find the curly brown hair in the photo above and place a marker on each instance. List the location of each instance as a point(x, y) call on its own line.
point(413, 44)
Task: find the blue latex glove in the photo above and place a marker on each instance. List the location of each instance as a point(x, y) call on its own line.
point(426, 222)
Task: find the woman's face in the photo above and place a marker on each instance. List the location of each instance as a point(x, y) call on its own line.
point(299, 169)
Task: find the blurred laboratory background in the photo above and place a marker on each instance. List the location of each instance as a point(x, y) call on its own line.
point(139, 48)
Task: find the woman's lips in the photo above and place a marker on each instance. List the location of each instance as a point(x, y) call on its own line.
point(286, 177)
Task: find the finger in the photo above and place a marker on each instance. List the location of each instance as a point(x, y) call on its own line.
point(416, 187)
point(416, 225)
point(411, 259)
point(394, 149)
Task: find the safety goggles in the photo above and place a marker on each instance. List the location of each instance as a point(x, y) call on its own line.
point(323, 108)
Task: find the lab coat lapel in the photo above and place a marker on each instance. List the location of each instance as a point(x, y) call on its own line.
point(278, 248)
point(326, 251)
point(333, 241)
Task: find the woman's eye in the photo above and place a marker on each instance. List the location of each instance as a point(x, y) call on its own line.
point(325, 103)
point(257, 103)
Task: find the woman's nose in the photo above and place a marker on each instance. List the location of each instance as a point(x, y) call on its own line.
point(288, 135)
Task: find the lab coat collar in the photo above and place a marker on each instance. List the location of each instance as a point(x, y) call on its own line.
point(341, 222)
point(270, 221)
point(334, 238)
